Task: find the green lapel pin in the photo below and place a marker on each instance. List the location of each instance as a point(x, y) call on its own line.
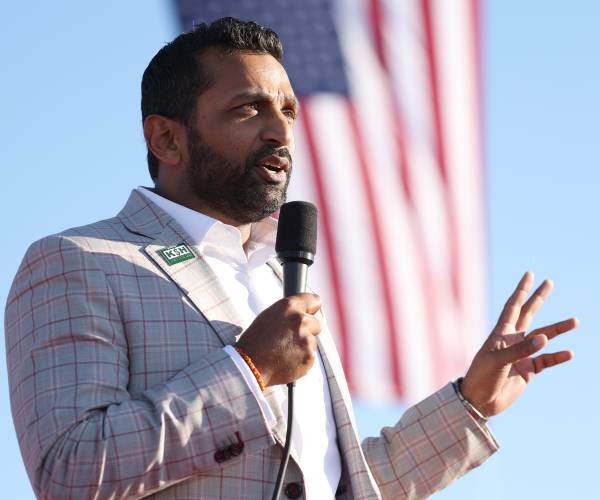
point(176, 254)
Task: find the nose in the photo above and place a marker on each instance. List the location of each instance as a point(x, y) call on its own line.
point(278, 130)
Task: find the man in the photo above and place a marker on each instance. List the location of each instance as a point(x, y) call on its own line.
point(147, 352)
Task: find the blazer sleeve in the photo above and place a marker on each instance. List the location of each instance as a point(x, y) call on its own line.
point(435, 442)
point(80, 432)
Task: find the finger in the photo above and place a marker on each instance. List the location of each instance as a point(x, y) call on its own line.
point(512, 308)
point(555, 329)
point(544, 361)
point(306, 302)
point(312, 324)
point(533, 305)
point(308, 343)
point(520, 350)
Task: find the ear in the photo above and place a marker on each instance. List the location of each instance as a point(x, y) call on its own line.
point(166, 139)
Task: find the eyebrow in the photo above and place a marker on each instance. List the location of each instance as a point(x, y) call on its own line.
point(261, 95)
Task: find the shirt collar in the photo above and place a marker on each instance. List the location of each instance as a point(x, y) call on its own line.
point(205, 230)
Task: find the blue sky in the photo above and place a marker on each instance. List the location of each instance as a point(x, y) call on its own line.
point(73, 149)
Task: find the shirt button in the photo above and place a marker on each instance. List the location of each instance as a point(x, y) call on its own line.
point(293, 490)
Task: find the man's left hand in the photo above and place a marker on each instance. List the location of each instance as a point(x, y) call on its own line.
point(504, 365)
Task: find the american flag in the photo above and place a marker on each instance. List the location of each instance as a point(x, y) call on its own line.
point(389, 147)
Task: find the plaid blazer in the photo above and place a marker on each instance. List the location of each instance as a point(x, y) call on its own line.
point(120, 387)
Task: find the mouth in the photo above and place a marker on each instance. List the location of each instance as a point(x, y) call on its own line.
point(273, 169)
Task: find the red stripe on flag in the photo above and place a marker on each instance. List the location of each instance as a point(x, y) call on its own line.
point(330, 244)
point(439, 147)
point(380, 257)
point(376, 15)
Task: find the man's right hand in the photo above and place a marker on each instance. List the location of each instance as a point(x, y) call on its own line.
point(281, 340)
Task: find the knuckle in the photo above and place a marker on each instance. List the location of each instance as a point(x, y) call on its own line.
point(296, 320)
point(306, 342)
point(318, 326)
point(305, 320)
point(308, 359)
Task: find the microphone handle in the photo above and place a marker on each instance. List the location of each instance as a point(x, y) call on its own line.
point(294, 278)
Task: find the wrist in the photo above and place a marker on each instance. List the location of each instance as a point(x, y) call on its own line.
point(473, 410)
point(255, 371)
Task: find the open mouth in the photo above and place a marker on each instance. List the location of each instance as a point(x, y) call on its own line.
point(273, 169)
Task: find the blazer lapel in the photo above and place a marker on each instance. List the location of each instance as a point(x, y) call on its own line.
point(198, 281)
point(359, 474)
point(193, 276)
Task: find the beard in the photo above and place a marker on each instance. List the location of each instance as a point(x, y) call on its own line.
point(231, 188)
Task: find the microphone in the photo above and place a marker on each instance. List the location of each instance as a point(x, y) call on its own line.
point(296, 244)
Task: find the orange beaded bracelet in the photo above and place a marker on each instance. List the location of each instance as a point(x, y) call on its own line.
point(246, 358)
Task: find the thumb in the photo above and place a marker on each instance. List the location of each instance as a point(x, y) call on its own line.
point(522, 349)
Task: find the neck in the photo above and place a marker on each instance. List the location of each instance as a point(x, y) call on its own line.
point(198, 206)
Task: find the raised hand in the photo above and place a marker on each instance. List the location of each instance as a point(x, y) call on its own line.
point(504, 365)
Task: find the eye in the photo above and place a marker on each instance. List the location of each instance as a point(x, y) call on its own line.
point(248, 108)
point(291, 113)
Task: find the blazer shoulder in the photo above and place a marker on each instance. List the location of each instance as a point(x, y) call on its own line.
point(111, 229)
point(75, 247)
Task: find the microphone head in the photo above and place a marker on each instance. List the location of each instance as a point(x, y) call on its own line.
point(297, 230)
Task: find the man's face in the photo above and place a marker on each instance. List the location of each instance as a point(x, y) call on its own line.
point(240, 138)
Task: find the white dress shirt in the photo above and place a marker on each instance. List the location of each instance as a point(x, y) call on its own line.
point(253, 286)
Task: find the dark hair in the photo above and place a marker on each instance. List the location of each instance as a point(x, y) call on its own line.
point(175, 76)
